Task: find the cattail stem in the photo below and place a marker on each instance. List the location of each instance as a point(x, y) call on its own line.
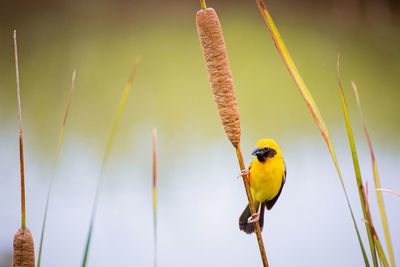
point(257, 229)
point(24, 250)
point(23, 210)
point(203, 4)
point(21, 143)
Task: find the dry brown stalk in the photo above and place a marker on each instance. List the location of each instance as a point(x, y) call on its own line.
point(219, 72)
point(24, 251)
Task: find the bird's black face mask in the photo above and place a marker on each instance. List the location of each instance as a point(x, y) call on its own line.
point(263, 153)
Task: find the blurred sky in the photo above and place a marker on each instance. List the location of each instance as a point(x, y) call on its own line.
point(200, 199)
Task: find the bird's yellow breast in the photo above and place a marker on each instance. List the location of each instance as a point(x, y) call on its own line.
point(266, 178)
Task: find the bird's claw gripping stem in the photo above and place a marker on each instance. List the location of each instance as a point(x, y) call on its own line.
point(254, 218)
point(244, 173)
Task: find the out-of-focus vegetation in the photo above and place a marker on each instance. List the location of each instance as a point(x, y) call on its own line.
point(101, 40)
point(102, 44)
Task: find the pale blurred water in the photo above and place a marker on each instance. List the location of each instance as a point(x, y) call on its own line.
point(199, 201)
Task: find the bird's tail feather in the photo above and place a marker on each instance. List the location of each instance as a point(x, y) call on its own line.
point(246, 227)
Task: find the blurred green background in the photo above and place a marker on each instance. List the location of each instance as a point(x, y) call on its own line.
point(199, 197)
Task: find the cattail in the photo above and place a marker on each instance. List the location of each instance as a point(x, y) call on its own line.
point(24, 251)
point(220, 76)
point(219, 72)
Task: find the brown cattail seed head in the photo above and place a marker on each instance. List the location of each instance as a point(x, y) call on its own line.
point(24, 251)
point(219, 72)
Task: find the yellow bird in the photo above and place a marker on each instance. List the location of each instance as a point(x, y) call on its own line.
point(267, 177)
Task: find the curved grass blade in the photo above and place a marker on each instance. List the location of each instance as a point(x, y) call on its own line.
point(155, 194)
point(59, 142)
point(278, 41)
point(388, 190)
point(381, 254)
point(361, 190)
point(107, 156)
point(382, 258)
point(376, 178)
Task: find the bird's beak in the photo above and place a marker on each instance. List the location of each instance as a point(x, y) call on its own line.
point(256, 151)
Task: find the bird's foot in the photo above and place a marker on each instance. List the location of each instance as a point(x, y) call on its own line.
point(254, 218)
point(244, 173)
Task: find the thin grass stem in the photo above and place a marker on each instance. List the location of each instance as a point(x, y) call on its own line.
point(361, 190)
point(388, 190)
point(106, 158)
point(376, 179)
point(155, 194)
point(278, 41)
point(59, 142)
point(382, 258)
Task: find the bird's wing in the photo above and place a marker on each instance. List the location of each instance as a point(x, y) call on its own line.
point(284, 175)
point(271, 202)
